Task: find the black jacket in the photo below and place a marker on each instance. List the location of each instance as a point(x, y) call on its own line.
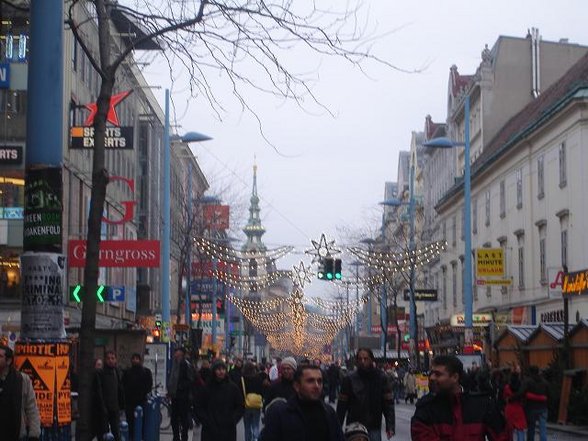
point(284, 421)
point(365, 396)
point(219, 407)
point(279, 389)
point(468, 416)
point(137, 382)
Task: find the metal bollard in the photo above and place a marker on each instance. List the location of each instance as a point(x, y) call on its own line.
point(138, 424)
point(151, 421)
point(124, 431)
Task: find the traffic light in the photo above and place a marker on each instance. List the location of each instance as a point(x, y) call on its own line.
point(156, 332)
point(338, 274)
point(329, 265)
point(320, 273)
point(77, 293)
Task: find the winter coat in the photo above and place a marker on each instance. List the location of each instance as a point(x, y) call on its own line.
point(513, 411)
point(278, 389)
point(463, 417)
point(410, 384)
point(137, 381)
point(219, 407)
point(365, 396)
point(18, 403)
point(284, 421)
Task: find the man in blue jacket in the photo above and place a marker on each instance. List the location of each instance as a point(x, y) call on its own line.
point(304, 417)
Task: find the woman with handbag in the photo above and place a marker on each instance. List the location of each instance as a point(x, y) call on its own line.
point(219, 406)
point(252, 386)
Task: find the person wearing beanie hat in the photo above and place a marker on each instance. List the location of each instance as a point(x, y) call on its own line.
point(290, 361)
point(219, 406)
point(283, 387)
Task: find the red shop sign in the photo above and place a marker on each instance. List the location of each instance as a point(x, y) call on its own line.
point(117, 253)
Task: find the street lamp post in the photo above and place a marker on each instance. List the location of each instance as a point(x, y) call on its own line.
point(467, 294)
point(166, 227)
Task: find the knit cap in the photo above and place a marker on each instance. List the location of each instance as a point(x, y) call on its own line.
point(290, 362)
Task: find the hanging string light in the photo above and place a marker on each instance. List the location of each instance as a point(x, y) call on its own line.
point(251, 283)
point(221, 252)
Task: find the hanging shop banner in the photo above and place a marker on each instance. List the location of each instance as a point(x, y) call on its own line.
point(477, 320)
point(43, 210)
point(117, 253)
point(489, 262)
point(575, 284)
point(216, 217)
point(204, 285)
point(48, 366)
point(43, 285)
point(116, 138)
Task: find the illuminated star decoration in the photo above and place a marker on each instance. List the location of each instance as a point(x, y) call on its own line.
point(112, 117)
point(322, 249)
point(301, 274)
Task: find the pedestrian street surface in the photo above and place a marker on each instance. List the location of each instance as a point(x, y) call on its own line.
point(404, 413)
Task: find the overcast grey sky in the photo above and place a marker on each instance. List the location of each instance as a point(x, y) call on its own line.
point(339, 164)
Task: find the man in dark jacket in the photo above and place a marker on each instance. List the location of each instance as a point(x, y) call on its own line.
point(333, 374)
point(283, 387)
point(366, 395)
point(19, 414)
point(179, 388)
point(448, 413)
point(137, 382)
point(535, 392)
point(219, 406)
point(305, 416)
point(109, 394)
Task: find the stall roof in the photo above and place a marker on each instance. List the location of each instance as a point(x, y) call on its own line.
point(581, 324)
point(554, 330)
point(520, 332)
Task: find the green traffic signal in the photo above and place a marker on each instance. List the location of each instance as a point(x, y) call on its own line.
point(338, 274)
point(77, 293)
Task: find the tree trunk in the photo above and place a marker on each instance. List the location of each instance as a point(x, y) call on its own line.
point(84, 426)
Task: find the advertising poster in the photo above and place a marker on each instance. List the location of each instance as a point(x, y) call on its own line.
point(43, 287)
point(43, 210)
point(63, 381)
point(47, 364)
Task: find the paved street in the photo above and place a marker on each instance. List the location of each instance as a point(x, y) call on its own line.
point(403, 414)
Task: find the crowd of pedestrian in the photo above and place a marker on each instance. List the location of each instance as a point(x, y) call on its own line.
point(295, 399)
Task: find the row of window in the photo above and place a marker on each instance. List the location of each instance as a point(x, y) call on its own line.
point(562, 168)
point(520, 262)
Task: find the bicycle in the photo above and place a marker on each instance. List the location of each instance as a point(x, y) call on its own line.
point(164, 413)
point(164, 408)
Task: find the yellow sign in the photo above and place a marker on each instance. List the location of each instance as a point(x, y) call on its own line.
point(489, 262)
point(48, 366)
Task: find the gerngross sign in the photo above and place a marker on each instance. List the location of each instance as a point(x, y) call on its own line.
point(117, 253)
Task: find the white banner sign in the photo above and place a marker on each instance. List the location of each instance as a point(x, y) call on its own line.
point(43, 285)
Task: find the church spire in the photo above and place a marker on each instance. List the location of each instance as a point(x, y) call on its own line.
point(254, 230)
